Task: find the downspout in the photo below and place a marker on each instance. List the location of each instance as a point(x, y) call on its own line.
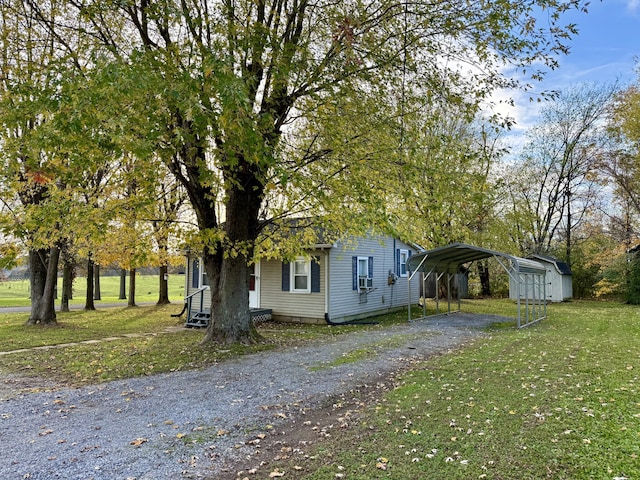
point(327, 295)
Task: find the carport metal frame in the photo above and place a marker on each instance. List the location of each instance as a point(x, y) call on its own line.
point(526, 273)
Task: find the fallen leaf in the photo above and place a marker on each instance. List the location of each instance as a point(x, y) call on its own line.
point(138, 441)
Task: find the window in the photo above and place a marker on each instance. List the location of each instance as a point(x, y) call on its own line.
point(402, 259)
point(301, 275)
point(195, 274)
point(364, 272)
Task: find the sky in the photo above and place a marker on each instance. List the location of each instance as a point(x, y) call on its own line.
point(604, 51)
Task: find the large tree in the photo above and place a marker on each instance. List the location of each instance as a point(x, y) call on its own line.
point(554, 185)
point(214, 86)
point(621, 163)
point(27, 180)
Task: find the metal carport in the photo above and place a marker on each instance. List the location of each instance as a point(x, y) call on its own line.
point(529, 275)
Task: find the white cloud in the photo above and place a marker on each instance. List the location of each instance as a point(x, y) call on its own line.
point(633, 6)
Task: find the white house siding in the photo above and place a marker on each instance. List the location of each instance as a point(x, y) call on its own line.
point(345, 303)
point(336, 298)
point(197, 300)
point(292, 306)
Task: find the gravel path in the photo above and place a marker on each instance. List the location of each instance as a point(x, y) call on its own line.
point(192, 424)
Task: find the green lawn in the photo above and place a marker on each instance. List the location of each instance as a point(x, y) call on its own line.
point(127, 357)
point(559, 401)
point(15, 293)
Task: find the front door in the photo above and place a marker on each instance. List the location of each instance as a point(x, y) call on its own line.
point(254, 286)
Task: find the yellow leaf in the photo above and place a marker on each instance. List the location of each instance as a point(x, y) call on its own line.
point(138, 441)
point(276, 473)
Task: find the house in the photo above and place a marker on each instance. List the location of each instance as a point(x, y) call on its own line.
point(332, 283)
point(559, 279)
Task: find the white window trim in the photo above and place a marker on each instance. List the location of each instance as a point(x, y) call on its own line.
point(368, 281)
point(292, 276)
point(201, 274)
point(404, 252)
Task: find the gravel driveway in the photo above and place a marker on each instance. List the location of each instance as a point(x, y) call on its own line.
point(197, 424)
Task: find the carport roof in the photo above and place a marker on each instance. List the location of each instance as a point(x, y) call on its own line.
point(449, 258)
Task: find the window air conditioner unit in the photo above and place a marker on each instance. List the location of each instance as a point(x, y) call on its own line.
point(365, 282)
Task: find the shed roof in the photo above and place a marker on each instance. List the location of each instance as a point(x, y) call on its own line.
point(563, 268)
point(449, 258)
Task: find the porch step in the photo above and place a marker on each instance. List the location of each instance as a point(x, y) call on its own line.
point(201, 319)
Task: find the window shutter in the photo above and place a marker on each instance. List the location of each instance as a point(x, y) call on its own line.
point(286, 280)
point(315, 275)
point(370, 267)
point(354, 272)
point(398, 262)
point(195, 277)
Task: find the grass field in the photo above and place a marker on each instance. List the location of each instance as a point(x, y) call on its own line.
point(15, 293)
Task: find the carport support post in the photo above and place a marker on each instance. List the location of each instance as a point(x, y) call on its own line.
point(526, 298)
point(409, 297)
point(448, 292)
point(423, 279)
point(437, 293)
point(519, 282)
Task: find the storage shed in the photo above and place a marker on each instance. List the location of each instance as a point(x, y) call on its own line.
point(559, 279)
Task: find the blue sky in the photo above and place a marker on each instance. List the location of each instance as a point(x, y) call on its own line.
point(606, 45)
point(604, 51)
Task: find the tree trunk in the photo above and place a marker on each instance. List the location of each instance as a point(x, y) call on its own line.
point(230, 314)
point(228, 274)
point(67, 286)
point(88, 303)
point(123, 284)
point(483, 272)
point(97, 295)
point(132, 288)
point(44, 277)
point(163, 298)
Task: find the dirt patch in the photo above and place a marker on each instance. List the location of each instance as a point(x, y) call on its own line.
point(293, 441)
point(13, 385)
